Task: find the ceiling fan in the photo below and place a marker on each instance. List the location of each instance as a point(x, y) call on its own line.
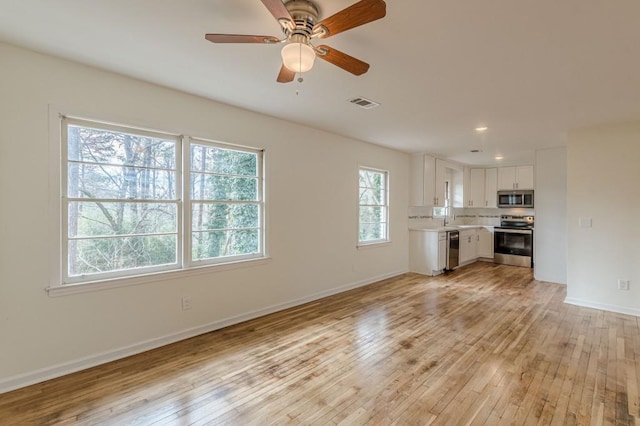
point(299, 22)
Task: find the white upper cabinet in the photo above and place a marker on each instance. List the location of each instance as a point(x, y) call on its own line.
point(517, 177)
point(476, 188)
point(482, 188)
point(491, 188)
point(423, 181)
point(430, 179)
point(439, 180)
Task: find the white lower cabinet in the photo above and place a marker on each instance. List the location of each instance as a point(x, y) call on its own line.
point(485, 242)
point(468, 246)
point(427, 251)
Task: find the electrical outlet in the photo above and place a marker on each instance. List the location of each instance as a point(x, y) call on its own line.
point(623, 285)
point(186, 303)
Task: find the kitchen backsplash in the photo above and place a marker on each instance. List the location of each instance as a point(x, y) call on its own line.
point(422, 217)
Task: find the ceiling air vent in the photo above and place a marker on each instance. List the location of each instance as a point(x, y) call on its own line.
point(364, 103)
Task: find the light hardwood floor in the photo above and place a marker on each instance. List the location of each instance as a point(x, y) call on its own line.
point(485, 344)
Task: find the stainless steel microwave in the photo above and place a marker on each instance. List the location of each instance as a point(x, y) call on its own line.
point(517, 198)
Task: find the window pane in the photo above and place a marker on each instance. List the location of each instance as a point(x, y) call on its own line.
point(116, 182)
point(224, 188)
point(371, 179)
point(111, 147)
point(88, 219)
point(223, 161)
point(208, 216)
point(207, 245)
point(373, 214)
point(373, 231)
point(112, 254)
point(372, 197)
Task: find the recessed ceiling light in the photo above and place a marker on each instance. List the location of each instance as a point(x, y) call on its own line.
point(499, 157)
point(481, 129)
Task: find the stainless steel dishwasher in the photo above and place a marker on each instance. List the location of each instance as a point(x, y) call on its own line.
point(453, 249)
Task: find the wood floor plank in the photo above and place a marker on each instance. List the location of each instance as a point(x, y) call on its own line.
point(483, 345)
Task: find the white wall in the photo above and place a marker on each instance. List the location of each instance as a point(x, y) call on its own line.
point(312, 179)
point(550, 245)
point(603, 179)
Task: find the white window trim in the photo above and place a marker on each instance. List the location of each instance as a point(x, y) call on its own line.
point(383, 241)
point(57, 285)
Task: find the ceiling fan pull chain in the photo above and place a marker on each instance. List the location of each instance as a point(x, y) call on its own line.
point(300, 80)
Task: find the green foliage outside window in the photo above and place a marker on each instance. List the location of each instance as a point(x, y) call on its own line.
point(225, 196)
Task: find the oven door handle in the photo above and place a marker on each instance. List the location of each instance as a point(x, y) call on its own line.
point(514, 231)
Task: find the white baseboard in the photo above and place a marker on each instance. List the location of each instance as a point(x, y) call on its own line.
point(22, 380)
point(603, 306)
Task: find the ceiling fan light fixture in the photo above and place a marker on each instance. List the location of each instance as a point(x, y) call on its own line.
point(298, 57)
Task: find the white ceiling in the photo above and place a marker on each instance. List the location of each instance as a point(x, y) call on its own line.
point(529, 70)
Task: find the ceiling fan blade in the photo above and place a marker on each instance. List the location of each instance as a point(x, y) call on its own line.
point(277, 9)
point(286, 75)
point(360, 13)
point(342, 60)
point(240, 38)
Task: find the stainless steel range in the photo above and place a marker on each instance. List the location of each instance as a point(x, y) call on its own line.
point(513, 241)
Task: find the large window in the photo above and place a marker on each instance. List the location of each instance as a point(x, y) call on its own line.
point(374, 206)
point(125, 210)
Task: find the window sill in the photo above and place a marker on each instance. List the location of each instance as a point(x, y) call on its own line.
point(69, 289)
point(373, 244)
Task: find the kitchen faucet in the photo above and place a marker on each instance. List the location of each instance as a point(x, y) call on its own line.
point(448, 211)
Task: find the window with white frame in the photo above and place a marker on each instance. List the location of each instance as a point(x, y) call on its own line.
point(226, 200)
point(374, 206)
point(125, 211)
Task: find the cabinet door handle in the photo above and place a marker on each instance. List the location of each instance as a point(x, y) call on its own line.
point(486, 203)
